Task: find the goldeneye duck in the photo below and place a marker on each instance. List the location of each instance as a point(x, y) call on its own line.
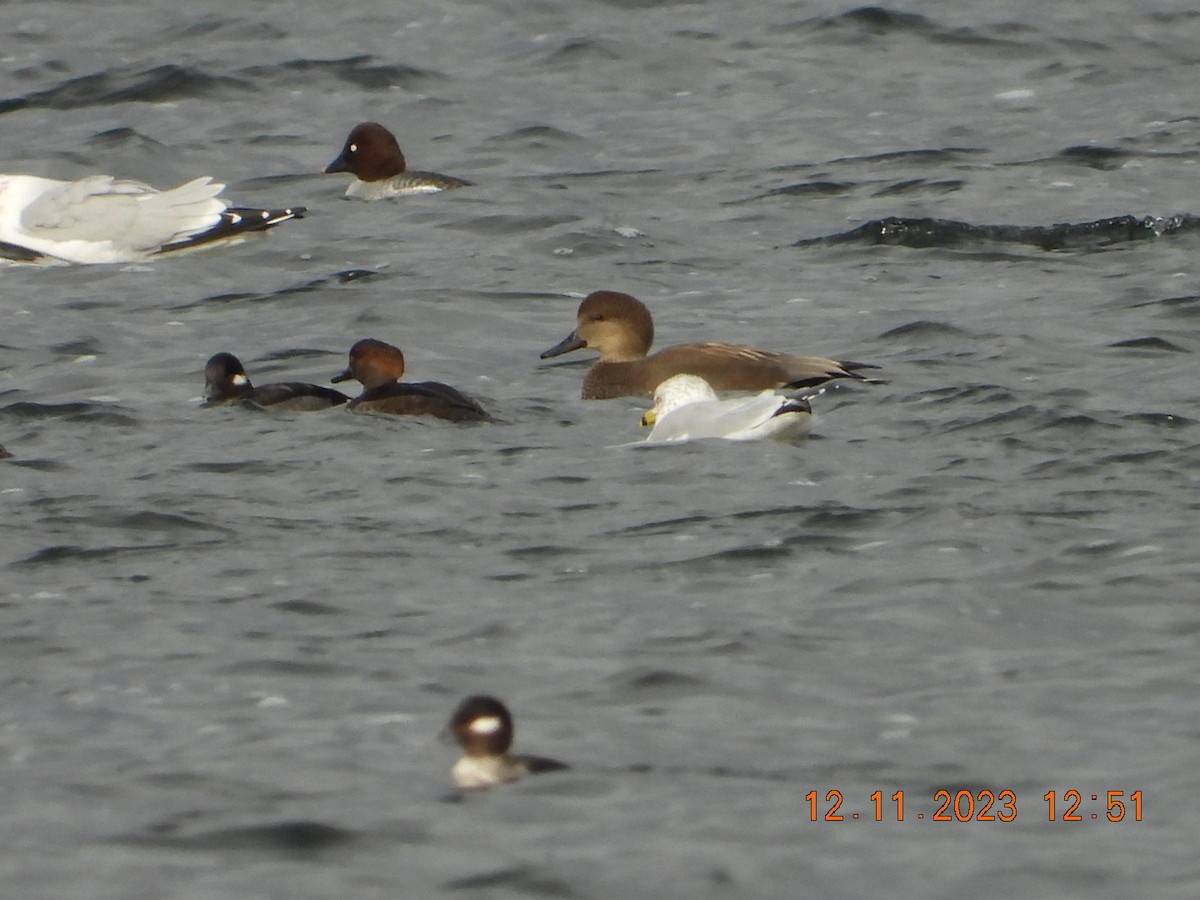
point(372, 154)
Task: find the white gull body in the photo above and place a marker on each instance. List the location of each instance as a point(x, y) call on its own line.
point(686, 407)
point(101, 219)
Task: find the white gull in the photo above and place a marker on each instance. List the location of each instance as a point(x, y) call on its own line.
point(101, 219)
point(686, 406)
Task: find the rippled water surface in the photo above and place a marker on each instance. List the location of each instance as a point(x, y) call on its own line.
point(230, 638)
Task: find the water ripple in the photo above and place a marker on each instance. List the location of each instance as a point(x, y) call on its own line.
point(929, 232)
point(161, 84)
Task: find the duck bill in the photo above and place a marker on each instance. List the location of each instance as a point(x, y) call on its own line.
point(571, 342)
point(338, 165)
point(340, 377)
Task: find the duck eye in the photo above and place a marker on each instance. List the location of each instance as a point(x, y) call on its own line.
point(353, 148)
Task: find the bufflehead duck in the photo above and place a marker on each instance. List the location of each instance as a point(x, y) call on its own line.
point(372, 154)
point(620, 328)
point(379, 366)
point(225, 381)
point(483, 727)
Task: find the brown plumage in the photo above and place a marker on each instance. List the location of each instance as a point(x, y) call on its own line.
point(372, 154)
point(619, 327)
point(380, 366)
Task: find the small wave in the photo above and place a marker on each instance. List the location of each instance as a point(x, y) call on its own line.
point(295, 837)
point(865, 23)
point(930, 232)
point(642, 685)
point(969, 394)
point(361, 71)
point(647, 4)
point(286, 668)
point(810, 189)
point(241, 467)
point(60, 553)
point(536, 137)
point(928, 156)
point(307, 608)
point(502, 224)
point(1160, 420)
point(822, 184)
point(315, 284)
point(925, 328)
point(126, 140)
point(1186, 306)
point(296, 353)
point(520, 880)
point(234, 29)
point(920, 185)
point(1096, 157)
point(98, 413)
point(158, 85)
point(1148, 343)
point(542, 552)
point(158, 524)
point(582, 50)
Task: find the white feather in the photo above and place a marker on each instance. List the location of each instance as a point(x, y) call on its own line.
point(686, 407)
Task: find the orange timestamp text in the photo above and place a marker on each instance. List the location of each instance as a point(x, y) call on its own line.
point(976, 805)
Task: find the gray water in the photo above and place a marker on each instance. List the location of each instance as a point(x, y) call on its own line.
point(230, 638)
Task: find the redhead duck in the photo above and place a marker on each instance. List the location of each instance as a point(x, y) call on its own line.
point(379, 366)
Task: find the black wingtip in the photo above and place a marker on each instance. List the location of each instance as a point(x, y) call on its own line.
point(17, 253)
point(236, 221)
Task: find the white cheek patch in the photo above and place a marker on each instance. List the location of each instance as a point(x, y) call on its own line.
point(485, 725)
point(239, 380)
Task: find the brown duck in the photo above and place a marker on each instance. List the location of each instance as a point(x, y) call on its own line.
point(380, 366)
point(619, 327)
